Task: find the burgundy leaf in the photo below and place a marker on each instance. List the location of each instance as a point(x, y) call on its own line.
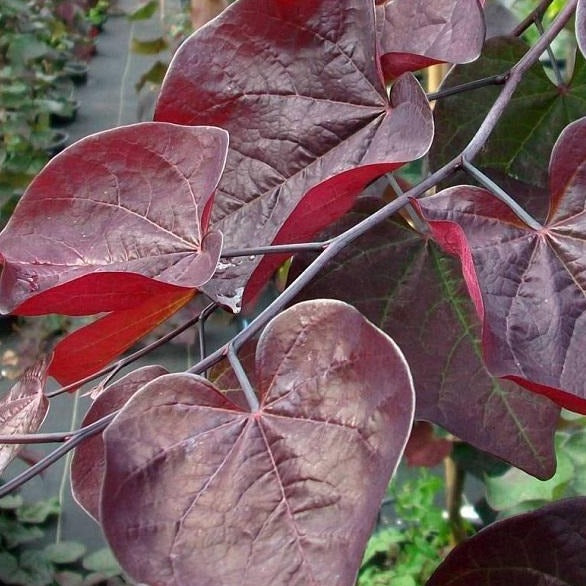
point(23, 408)
point(581, 25)
point(527, 285)
point(408, 287)
point(88, 349)
point(298, 87)
point(424, 448)
point(545, 547)
point(198, 490)
point(129, 223)
point(417, 33)
point(88, 463)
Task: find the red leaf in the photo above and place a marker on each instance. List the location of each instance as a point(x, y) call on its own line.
point(88, 463)
point(424, 448)
point(297, 86)
point(528, 285)
point(417, 33)
point(92, 347)
point(23, 408)
point(409, 288)
point(545, 547)
point(136, 206)
point(198, 490)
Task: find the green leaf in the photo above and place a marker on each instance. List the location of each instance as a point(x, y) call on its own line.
point(522, 141)
point(102, 561)
point(154, 75)
point(516, 487)
point(15, 533)
point(65, 552)
point(39, 512)
point(38, 568)
point(148, 47)
point(10, 573)
point(11, 501)
point(144, 12)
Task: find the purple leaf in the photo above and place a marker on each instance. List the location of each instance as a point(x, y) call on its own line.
point(23, 408)
point(417, 33)
point(88, 463)
point(198, 490)
point(298, 87)
point(527, 285)
point(405, 285)
point(545, 547)
point(138, 203)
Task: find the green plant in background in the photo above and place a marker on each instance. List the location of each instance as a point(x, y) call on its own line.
point(407, 552)
point(27, 560)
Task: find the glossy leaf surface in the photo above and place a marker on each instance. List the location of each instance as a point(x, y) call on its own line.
point(298, 87)
point(23, 408)
point(405, 285)
point(527, 285)
point(417, 33)
point(545, 547)
point(138, 203)
point(88, 349)
point(522, 141)
point(88, 463)
point(197, 487)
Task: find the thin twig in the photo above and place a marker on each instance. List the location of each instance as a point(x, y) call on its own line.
point(498, 79)
point(78, 437)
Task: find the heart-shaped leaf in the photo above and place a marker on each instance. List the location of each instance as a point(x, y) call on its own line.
point(527, 284)
point(23, 408)
point(521, 142)
point(198, 490)
point(131, 221)
point(417, 33)
point(88, 463)
point(297, 85)
point(408, 287)
point(544, 547)
point(88, 349)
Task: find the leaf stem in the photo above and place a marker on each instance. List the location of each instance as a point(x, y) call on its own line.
point(559, 78)
point(498, 79)
point(537, 13)
point(417, 222)
point(502, 195)
point(249, 393)
point(276, 249)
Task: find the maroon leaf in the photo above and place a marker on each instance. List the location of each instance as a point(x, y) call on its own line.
point(405, 285)
point(424, 448)
point(545, 547)
point(197, 489)
point(527, 285)
point(138, 203)
point(297, 86)
point(88, 463)
point(23, 408)
point(581, 26)
point(417, 33)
